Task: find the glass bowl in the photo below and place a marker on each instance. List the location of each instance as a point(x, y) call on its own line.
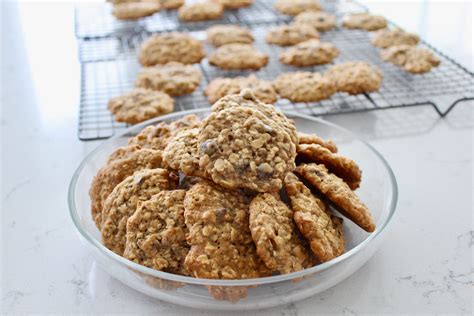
point(378, 191)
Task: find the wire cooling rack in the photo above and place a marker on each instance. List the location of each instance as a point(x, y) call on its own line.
point(109, 67)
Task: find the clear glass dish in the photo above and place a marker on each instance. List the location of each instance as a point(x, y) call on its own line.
point(378, 190)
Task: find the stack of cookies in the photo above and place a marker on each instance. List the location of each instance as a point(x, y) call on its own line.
point(240, 194)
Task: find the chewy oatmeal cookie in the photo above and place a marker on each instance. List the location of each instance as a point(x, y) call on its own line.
point(135, 10)
point(112, 174)
point(201, 11)
point(140, 105)
point(304, 86)
point(240, 147)
point(219, 235)
point(181, 153)
point(355, 77)
point(275, 236)
point(338, 193)
point(291, 34)
point(174, 46)
point(171, 4)
point(343, 167)
point(156, 233)
point(219, 35)
point(413, 59)
point(386, 38)
point(220, 87)
point(238, 57)
point(235, 4)
point(315, 139)
point(123, 201)
point(295, 7)
point(172, 78)
point(320, 20)
point(364, 21)
point(323, 230)
point(309, 53)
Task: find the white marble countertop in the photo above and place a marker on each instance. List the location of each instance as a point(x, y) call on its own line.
point(424, 266)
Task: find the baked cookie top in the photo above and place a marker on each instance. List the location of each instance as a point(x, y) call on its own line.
point(174, 46)
point(295, 7)
point(304, 86)
point(201, 11)
point(309, 53)
point(315, 139)
point(320, 20)
point(364, 21)
point(219, 235)
point(238, 56)
point(338, 193)
point(171, 4)
point(322, 230)
point(220, 87)
point(275, 236)
point(122, 202)
point(355, 77)
point(386, 38)
point(181, 153)
point(235, 4)
point(156, 233)
point(219, 35)
point(240, 147)
point(173, 78)
point(413, 59)
point(291, 34)
point(134, 10)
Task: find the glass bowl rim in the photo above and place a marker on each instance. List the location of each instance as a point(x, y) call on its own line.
point(241, 282)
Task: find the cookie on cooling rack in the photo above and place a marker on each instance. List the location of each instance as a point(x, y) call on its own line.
point(219, 35)
point(304, 86)
point(171, 4)
point(238, 57)
point(320, 20)
point(355, 77)
point(201, 11)
point(235, 4)
point(134, 10)
point(295, 7)
point(291, 34)
point(309, 53)
point(413, 59)
point(364, 21)
point(386, 38)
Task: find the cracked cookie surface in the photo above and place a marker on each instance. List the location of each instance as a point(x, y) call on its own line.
point(411, 58)
point(238, 56)
point(304, 86)
point(181, 153)
point(355, 77)
point(309, 53)
point(291, 34)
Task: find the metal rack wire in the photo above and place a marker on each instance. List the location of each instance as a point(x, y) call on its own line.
point(109, 67)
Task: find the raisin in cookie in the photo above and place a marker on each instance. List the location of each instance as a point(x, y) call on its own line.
point(338, 193)
point(364, 21)
point(181, 153)
point(175, 46)
point(413, 59)
point(295, 7)
point(122, 202)
point(219, 35)
point(322, 230)
point(134, 10)
point(275, 236)
point(140, 105)
point(304, 86)
point(309, 53)
point(386, 38)
point(171, 4)
point(156, 233)
point(201, 11)
point(320, 20)
point(220, 87)
point(291, 34)
point(238, 56)
point(355, 77)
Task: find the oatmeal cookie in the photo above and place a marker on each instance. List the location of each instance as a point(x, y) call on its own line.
point(181, 153)
point(219, 35)
point(364, 21)
point(235, 4)
point(304, 86)
point(309, 53)
point(220, 87)
point(295, 7)
point(112, 174)
point(140, 105)
point(240, 147)
point(338, 193)
point(171, 4)
point(156, 233)
point(219, 235)
point(315, 139)
point(291, 34)
point(355, 77)
point(413, 59)
point(174, 46)
point(238, 57)
point(274, 234)
point(320, 20)
point(122, 202)
point(322, 230)
point(134, 10)
point(172, 78)
point(386, 38)
point(201, 11)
